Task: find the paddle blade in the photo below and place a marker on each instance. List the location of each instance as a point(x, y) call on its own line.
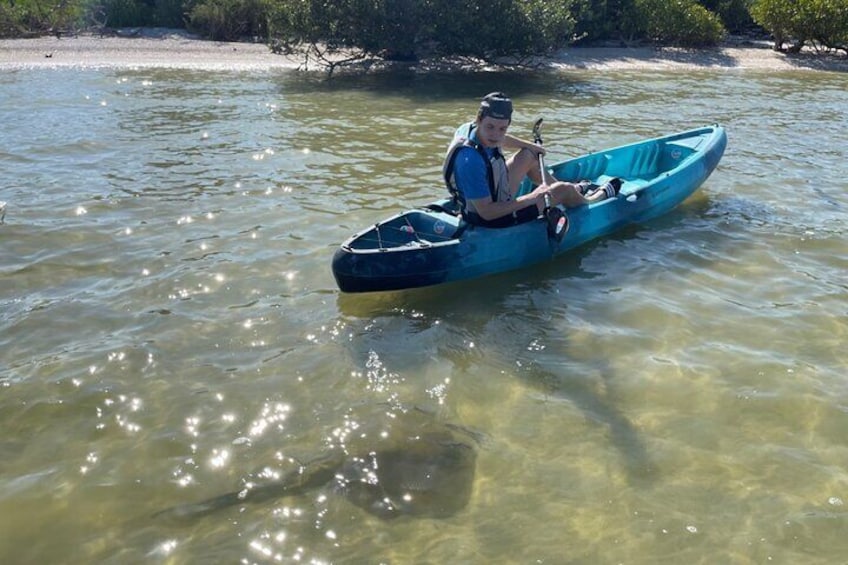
point(537, 131)
point(557, 223)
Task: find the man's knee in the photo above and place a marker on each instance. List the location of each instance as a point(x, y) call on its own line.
point(522, 162)
point(522, 156)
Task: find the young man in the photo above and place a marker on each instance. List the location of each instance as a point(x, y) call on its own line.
point(486, 183)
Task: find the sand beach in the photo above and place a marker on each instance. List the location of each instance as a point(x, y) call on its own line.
point(177, 49)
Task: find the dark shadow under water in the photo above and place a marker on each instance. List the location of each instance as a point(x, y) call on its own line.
point(415, 466)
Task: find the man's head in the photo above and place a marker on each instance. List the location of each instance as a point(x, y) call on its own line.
point(496, 105)
point(493, 118)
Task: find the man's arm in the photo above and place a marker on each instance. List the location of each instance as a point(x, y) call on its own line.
point(471, 176)
point(512, 142)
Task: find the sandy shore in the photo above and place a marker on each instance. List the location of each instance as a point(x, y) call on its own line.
point(175, 50)
point(164, 48)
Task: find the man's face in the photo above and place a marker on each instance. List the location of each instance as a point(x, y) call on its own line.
point(491, 131)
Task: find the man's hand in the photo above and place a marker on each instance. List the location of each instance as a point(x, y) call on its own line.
point(537, 149)
point(539, 195)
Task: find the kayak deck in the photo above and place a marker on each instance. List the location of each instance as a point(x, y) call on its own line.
point(636, 165)
point(415, 228)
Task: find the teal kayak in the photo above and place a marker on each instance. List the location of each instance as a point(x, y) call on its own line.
point(434, 245)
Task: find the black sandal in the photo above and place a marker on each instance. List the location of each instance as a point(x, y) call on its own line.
point(612, 187)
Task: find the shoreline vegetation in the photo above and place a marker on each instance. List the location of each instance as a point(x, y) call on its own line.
point(176, 48)
point(432, 35)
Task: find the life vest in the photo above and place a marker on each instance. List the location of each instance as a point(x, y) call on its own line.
point(495, 167)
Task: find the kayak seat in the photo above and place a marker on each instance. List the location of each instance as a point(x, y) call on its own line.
point(589, 167)
point(645, 161)
point(635, 162)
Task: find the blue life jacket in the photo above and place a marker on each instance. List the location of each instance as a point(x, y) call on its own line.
point(495, 168)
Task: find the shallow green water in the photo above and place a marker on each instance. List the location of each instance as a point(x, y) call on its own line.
point(169, 325)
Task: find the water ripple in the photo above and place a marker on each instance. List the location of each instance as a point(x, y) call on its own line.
point(171, 330)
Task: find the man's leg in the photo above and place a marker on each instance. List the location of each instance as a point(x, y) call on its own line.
point(571, 196)
point(522, 164)
point(567, 194)
point(525, 163)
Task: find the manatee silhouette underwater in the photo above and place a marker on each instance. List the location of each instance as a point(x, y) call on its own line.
point(424, 468)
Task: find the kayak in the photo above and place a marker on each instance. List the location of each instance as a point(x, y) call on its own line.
point(434, 245)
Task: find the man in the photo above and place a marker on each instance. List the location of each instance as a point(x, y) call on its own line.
point(486, 183)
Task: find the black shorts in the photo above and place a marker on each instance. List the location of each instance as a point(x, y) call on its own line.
point(522, 216)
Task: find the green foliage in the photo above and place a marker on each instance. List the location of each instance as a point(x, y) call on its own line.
point(169, 13)
point(828, 21)
point(34, 17)
point(601, 19)
point(548, 25)
point(734, 14)
point(392, 28)
point(413, 29)
point(409, 29)
point(632, 20)
point(490, 29)
point(127, 13)
point(140, 13)
point(26, 17)
point(12, 19)
point(679, 22)
point(230, 20)
point(776, 16)
point(817, 22)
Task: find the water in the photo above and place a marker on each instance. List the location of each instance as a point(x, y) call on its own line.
point(169, 324)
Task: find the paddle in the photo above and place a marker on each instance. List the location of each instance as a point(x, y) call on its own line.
point(557, 220)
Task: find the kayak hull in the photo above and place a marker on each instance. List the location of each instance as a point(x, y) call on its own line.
point(433, 245)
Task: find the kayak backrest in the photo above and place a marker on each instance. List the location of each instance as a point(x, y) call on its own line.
point(588, 167)
point(635, 161)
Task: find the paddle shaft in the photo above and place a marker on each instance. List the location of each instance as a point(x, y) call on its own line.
point(556, 218)
point(537, 139)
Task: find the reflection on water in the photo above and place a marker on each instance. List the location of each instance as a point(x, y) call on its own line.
point(171, 330)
